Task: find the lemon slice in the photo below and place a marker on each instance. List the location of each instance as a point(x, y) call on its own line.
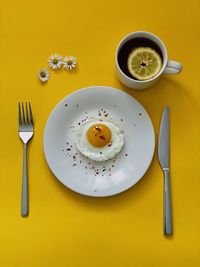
point(144, 63)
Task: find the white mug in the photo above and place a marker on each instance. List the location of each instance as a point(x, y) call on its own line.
point(169, 66)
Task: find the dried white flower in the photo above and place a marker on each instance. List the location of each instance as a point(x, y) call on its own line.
point(55, 61)
point(43, 75)
point(69, 63)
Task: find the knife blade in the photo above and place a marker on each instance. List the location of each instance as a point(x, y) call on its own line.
point(163, 156)
point(163, 141)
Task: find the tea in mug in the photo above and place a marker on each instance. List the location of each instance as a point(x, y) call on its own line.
point(140, 59)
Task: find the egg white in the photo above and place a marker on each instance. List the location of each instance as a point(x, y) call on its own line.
point(99, 153)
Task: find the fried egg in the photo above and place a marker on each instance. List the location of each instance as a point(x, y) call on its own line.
point(99, 139)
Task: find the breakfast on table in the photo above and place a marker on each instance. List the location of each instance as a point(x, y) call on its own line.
point(99, 141)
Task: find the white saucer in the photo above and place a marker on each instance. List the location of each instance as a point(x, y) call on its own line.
point(86, 176)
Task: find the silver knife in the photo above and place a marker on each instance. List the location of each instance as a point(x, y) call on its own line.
point(163, 156)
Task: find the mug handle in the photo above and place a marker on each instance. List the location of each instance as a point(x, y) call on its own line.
point(173, 67)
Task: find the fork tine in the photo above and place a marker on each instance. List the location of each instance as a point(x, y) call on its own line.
point(23, 114)
point(19, 114)
point(27, 116)
point(30, 112)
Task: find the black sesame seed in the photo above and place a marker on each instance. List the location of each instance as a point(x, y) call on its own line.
point(126, 155)
point(74, 165)
point(80, 161)
point(113, 166)
point(121, 119)
point(79, 123)
point(67, 143)
point(68, 149)
point(100, 152)
point(140, 114)
point(77, 105)
point(66, 105)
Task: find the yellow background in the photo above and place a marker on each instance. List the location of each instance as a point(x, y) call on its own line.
point(64, 228)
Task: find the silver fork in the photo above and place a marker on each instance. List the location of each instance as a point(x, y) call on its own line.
point(26, 130)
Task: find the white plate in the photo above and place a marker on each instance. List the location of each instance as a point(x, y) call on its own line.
point(86, 176)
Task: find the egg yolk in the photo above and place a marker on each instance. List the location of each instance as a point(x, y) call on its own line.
point(99, 135)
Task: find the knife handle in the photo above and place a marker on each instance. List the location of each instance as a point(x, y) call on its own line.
point(167, 204)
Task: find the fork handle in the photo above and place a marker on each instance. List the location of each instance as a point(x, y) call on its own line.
point(24, 205)
point(167, 204)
